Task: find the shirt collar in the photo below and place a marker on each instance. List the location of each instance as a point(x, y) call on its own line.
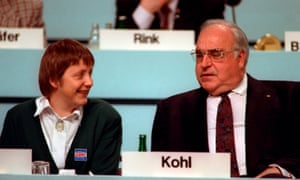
point(173, 4)
point(241, 89)
point(43, 105)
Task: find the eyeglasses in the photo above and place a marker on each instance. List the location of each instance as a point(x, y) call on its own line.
point(216, 55)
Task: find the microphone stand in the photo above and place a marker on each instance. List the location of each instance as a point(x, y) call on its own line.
point(233, 14)
point(233, 3)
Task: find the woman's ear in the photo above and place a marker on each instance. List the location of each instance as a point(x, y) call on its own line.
point(54, 83)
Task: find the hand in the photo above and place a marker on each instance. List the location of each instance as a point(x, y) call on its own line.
point(270, 171)
point(153, 6)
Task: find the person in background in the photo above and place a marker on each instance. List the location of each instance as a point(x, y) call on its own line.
point(64, 126)
point(21, 13)
point(265, 115)
point(183, 14)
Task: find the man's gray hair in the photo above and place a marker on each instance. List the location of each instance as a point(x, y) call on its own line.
point(241, 40)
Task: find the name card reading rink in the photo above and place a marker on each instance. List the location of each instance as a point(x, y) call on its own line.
point(21, 38)
point(292, 41)
point(176, 164)
point(147, 39)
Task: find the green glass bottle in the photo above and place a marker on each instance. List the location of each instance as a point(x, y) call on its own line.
point(122, 22)
point(142, 143)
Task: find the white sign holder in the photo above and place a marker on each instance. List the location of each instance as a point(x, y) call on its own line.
point(125, 39)
point(29, 38)
point(176, 164)
point(292, 41)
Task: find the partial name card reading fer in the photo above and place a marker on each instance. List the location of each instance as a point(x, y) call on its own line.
point(176, 164)
point(292, 41)
point(125, 39)
point(31, 38)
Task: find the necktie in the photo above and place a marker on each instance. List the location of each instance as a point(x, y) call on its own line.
point(165, 10)
point(224, 132)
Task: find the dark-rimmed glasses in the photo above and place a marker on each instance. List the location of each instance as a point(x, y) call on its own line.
point(216, 55)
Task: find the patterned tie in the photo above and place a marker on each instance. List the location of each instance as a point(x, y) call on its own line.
point(165, 10)
point(224, 133)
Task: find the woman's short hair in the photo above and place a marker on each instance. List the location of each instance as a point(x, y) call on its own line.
point(57, 58)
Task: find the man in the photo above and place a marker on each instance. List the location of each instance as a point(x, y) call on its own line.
point(183, 14)
point(264, 112)
point(21, 13)
point(63, 126)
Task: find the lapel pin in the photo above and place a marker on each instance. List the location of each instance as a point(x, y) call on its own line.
point(268, 95)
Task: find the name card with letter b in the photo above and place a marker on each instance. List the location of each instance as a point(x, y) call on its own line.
point(130, 39)
point(292, 41)
point(32, 38)
point(176, 164)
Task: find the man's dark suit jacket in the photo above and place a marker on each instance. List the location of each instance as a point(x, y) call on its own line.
point(190, 14)
point(272, 125)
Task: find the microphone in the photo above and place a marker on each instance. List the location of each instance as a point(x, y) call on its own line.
point(233, 2)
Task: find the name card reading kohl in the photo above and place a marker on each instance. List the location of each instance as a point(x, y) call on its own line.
point(147, 39)
point(176, 164)
point(292, 41)
point(32, 38)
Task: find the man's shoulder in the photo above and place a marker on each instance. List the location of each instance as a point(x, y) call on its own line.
point(281, 83)
point(286, 91)
point(272, 83)
point(276, 85)
point(186, 96)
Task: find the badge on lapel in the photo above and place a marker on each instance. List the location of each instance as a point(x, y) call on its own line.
point(80, 154)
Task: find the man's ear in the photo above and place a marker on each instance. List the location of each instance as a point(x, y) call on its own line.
point(242, 57)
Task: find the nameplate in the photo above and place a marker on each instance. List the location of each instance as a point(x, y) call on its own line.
point(147, 39)
point(176, 164)
point(292, 41)
point(32, 38)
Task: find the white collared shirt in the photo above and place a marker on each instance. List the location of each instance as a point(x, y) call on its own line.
point(144, 19)
point(238, 103)
point(59, 143)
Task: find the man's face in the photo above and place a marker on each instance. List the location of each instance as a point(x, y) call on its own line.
point(219, 66)
point(73, 87)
